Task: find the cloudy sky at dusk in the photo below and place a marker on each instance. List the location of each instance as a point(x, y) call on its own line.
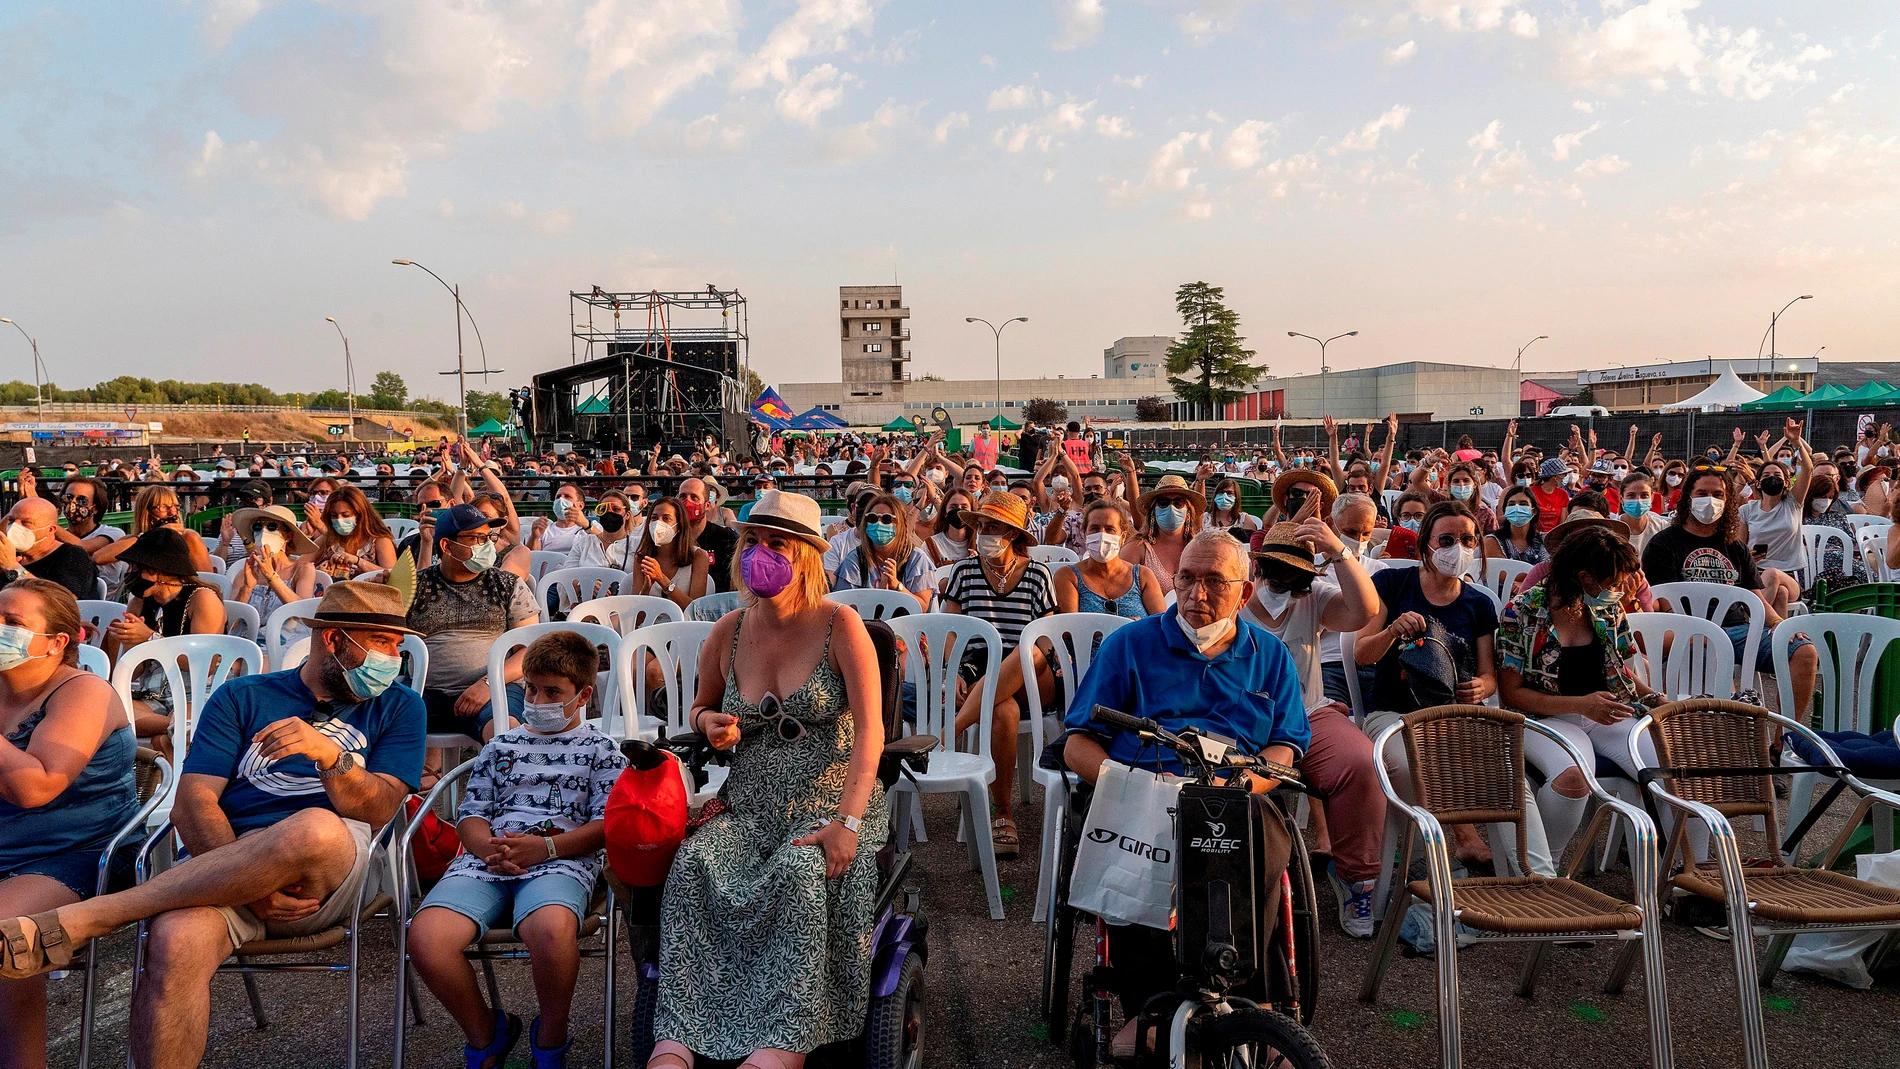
point(189, 188)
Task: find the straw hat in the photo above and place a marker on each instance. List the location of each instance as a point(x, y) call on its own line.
point(1280, 545)
point(788, 513)
point(1580, 519)
point(356, 606)
point(1172, 484)
point(295, 541)
point(1001, 506)
point(1289, 479)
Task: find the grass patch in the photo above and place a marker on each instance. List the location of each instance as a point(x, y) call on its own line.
point(1588, 1014)
point(1405, 1019)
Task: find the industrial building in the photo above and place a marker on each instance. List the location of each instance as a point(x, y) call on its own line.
point(1415, 390)
point(1650, 386)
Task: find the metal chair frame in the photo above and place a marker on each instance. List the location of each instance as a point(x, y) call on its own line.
point(89, 1000)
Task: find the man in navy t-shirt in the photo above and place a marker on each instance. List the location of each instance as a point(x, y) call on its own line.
point(287, 778)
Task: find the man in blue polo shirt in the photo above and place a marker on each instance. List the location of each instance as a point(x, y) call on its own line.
point(287, 779)
point(1196, 665)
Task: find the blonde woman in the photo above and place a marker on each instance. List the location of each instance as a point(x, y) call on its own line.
point(887, 556)
point(156, 506)
point(1170, 515)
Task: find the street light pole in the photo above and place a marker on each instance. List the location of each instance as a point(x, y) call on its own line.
point(998, 331)
point(461, 366)
point(1519, 364)
point(349, 377)
point(1769, 337)
point(39, 400)
point(1323, 369)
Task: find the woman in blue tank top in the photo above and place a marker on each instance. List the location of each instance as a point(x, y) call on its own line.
point(1102, 581)
point(66, 753)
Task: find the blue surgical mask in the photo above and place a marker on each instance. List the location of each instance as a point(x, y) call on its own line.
point(1603, 599)
point(1524, 480)
point(481, 558)
point(1223, 501)
point(1462, 491)
point(1518, 515)
point(880, 534)
point(374, 675)
point(14, 641)
point(1635, 507)
point(1410, 525)
point(902, 493)
point(344, 525)
point(1171, 517)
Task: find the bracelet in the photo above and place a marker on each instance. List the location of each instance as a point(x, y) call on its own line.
point(552, 853)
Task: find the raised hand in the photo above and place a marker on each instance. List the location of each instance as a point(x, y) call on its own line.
point(1332, 427)
point(1791, 429)
point(1739, 435)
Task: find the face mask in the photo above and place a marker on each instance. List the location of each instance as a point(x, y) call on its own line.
point(1524, 480)
point(1619, 472)
point(1747, 492)
point(1274, 601)
point(14, 641)
point(545, 717)
point(374, 675)
point(1821, 504)
point(1059, 483)
point(1355, 548)
point(992, 546)
point(1410, 525)
point(1452, 560)
point(1673, 480)
point(1518, 515)
point(1462, 491)
point(663, 532)
point(481, 558)
point(1656, 471)
point(935, 475)
point(272, 541)
point(1223, 502)
point(694, 510)
point(765, 571)
point(1570, 479)
point(1706, 509)
point(1635, 507)
point(634, 507)
point(1773, 485)
point(880, 534)
point(1603, 599)
point(79, 510)
point(344, 525)
point(319, 500)
point(1204, 637)
point(612, 522)
point(1171, 517)
point(903, 494)
point(21, 536)
point(1102, 546)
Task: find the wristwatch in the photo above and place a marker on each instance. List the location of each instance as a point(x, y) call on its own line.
point(851, 824)
point(342, 767)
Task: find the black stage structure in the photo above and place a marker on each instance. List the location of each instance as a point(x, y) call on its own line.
point(658, 368)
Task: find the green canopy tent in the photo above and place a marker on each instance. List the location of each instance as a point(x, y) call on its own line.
point(1784, 398)
point(901, 424)
point(1820, 397)
point(489, 429)
point(593, 406)
point(1002, 423)
point(1865, 394)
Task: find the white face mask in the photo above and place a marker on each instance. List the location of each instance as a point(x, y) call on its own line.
point(1273, 601)
point(1822, 504)
point(663, 532)
point(1452, 560)
point(544, 717)
point(1354, 548)
point(991, 546)
point(272, 541)
point(21, 537)
point(1204, 637)
point(1673, 480)
point(1706, 509)
point(1102, 545)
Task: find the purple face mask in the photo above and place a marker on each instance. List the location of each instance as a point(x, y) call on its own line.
point(765, 572)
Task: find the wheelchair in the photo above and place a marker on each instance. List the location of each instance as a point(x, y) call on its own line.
point(1245, 937)
point(893, 1036)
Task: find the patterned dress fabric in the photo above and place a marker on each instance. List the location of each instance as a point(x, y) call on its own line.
point(758, 949)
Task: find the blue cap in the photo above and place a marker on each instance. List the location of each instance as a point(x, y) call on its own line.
point(1552, 467)
point(450, 522)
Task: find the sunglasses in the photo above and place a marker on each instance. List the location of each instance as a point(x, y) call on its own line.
point(268, 526)
point(880, 517)
point(789, 727)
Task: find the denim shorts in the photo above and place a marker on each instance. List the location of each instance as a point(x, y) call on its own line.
point(488, 902)
point(444, 720)
point(1765, 654)
point(77, 870)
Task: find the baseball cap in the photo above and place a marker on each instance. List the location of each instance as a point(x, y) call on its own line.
point(454, 521)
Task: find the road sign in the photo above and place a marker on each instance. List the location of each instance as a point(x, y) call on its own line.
point(1477, 410)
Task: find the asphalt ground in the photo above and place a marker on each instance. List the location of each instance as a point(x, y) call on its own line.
point(984, 991)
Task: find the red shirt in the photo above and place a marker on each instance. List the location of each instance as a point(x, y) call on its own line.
point(1550, 506)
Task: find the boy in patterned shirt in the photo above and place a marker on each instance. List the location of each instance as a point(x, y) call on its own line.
point(532, 831)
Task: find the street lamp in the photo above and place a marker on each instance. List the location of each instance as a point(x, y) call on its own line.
point(349, 376)
point(998, 331)
point(1768, 336)
point(1323, 369)
point(461, 367)
point(1519, 365)
point(39, 402)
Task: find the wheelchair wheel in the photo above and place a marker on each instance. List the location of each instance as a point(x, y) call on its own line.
point(1306, 920)
point(1058, 954)
point(894, 1032)
point(1255, 1039)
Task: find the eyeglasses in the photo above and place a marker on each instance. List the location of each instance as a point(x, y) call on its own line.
point(789, 727)
point(880, 517)
point(1213, 585)
point(76, 498)
point(1446, 541)
point(483, 540)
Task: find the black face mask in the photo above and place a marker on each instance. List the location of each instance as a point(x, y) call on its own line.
point(137, 585)
point(1091, 496)
point(612, 522)
point(1773, 485)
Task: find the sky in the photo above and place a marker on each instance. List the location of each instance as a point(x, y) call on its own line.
point(188, 188)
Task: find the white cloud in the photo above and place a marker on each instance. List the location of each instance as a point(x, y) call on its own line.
point(821, 89)
point(1169, 168)
point(1045, 133)
point(1826, 164)
point(1210, 18)
point(711, 134)
point(1017, 97)
point(956, 120)
point(872, 136)
point(1366, 138)
point(1400, 53)
point(1602, 165)
point(1466, 15)
point(1112, 126)
point(210, 155)
point(224, 18)
point(1584, 106)
point(1245, 144)
point(554, 221)
point(1563, 145)
point(1655, 42)
point(1081, 22)
point(1131, 81)
point(1486, 139)
point(817, 27)
point(1200, 210)
point(1524, 24)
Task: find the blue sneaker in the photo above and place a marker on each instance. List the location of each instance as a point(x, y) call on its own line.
point(546, 1057)
point(1355, 905)
point(507, 1032)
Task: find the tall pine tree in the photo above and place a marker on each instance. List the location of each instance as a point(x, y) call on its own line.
point(1208, 366)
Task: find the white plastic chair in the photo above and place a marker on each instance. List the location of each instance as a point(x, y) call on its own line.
point(1858, 522)
point(626, 613)
point(575, 585)
point(675, 645)
point(933, 672)
point(209, 661)
point(401, 527)
point(218, 563)
point(542, 561)
point(1391, 499)
point(1398, 562)
point(1850, 646)
point(99, 588)
point(276, 635)
point(710, 608)
point(1074, 637)
point(1053, 554)
point(878, 604)
point(1712, 602)
point(218, 581)
point(240, 619)
point(1872, 540)
point(93, 659)
point(519, 637)
point(1817, 541)
point(1700, 659)
point(96, 614)
point(1500, 575)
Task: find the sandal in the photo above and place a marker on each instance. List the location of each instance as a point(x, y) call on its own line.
point(546, 1057)
point(1003, 837)
point(33, 945)
point(507, 1032)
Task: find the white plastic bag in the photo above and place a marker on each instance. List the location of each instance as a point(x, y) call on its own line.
point(1124, 867)
point(1842, 956)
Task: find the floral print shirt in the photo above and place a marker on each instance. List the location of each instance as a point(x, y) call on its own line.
point(1527, 643)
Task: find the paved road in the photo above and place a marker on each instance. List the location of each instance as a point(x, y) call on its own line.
point(984, 978)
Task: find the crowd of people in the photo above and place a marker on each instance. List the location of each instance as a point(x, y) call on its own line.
point(1260, 626)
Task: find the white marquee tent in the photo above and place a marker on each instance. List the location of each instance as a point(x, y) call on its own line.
point(1727, 391)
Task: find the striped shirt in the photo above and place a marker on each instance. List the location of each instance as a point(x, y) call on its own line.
point(1033, 597)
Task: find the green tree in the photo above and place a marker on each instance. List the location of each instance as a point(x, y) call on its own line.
point(1045, 411)
point(754, 386)
point(328, 399)
point(1151, 409)
point(484, 406)
point(1209, 366)
point(388, 390)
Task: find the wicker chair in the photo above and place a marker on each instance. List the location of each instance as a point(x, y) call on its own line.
point(1715, 766)
point(1467, 767)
